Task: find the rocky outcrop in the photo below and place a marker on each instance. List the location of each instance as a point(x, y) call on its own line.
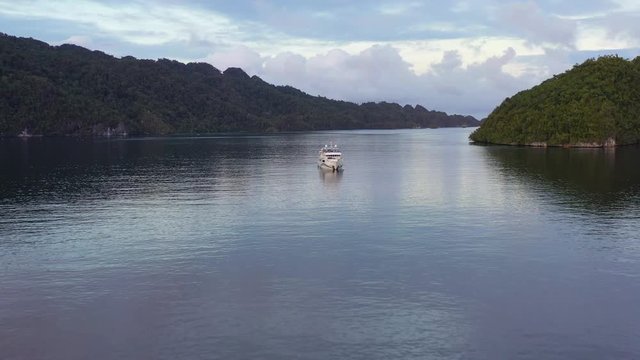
point(105, 130)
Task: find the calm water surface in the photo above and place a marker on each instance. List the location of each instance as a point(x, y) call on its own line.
point(238, 247)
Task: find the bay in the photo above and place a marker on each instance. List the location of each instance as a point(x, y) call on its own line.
point(237, 246)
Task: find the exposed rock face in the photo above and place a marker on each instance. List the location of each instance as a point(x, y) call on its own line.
point(609, 143)
point(102, 130)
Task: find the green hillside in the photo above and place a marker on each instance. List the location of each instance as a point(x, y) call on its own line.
point(596, 103)
point(69, 90)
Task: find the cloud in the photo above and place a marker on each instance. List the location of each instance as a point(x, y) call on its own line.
point(475, 89)
point(135, 22)
point(461, 7)
point(619, 30)
point(379, 73)
point(451, 60)
point(400, 8)
point(239, 56)
point(80, 40)
point(528, 19)
point(464, 56)
point(627, 5)
point(615, 27)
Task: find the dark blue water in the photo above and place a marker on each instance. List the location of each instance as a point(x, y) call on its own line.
point(238, 247)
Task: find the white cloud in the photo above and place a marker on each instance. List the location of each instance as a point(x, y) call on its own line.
point(80, 40)
point(379, 73)
point(627, 5)
point(132, 22)
point(239, 56)
point(424, 53)
point(474, 89)
point(399, 8)
point(594, 38)
point(464, 56)
point(617, 28)
point(530, 21)
point(461, 7)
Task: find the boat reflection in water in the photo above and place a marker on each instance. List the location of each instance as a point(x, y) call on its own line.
point(329, 177)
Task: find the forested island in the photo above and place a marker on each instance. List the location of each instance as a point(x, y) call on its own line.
point(70, 90)
point(595, 104)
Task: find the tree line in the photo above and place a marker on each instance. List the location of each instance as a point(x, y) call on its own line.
point(596, 103)
point(70, 90)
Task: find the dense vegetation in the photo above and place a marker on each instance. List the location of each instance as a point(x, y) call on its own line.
point(596, 103)
point(71, 90)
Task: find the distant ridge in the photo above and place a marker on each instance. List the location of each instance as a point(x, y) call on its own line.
point(69, 90)
point(595, 104)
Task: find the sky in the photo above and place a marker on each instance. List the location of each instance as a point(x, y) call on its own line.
point(460, 56)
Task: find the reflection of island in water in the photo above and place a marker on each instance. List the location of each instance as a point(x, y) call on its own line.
point(81, 168)
point(593, 177)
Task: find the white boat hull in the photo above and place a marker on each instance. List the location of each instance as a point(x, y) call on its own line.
point(330, 158)
point(330, 164)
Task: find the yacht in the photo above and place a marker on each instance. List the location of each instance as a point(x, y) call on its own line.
point(330, 158)
point(25, 133)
